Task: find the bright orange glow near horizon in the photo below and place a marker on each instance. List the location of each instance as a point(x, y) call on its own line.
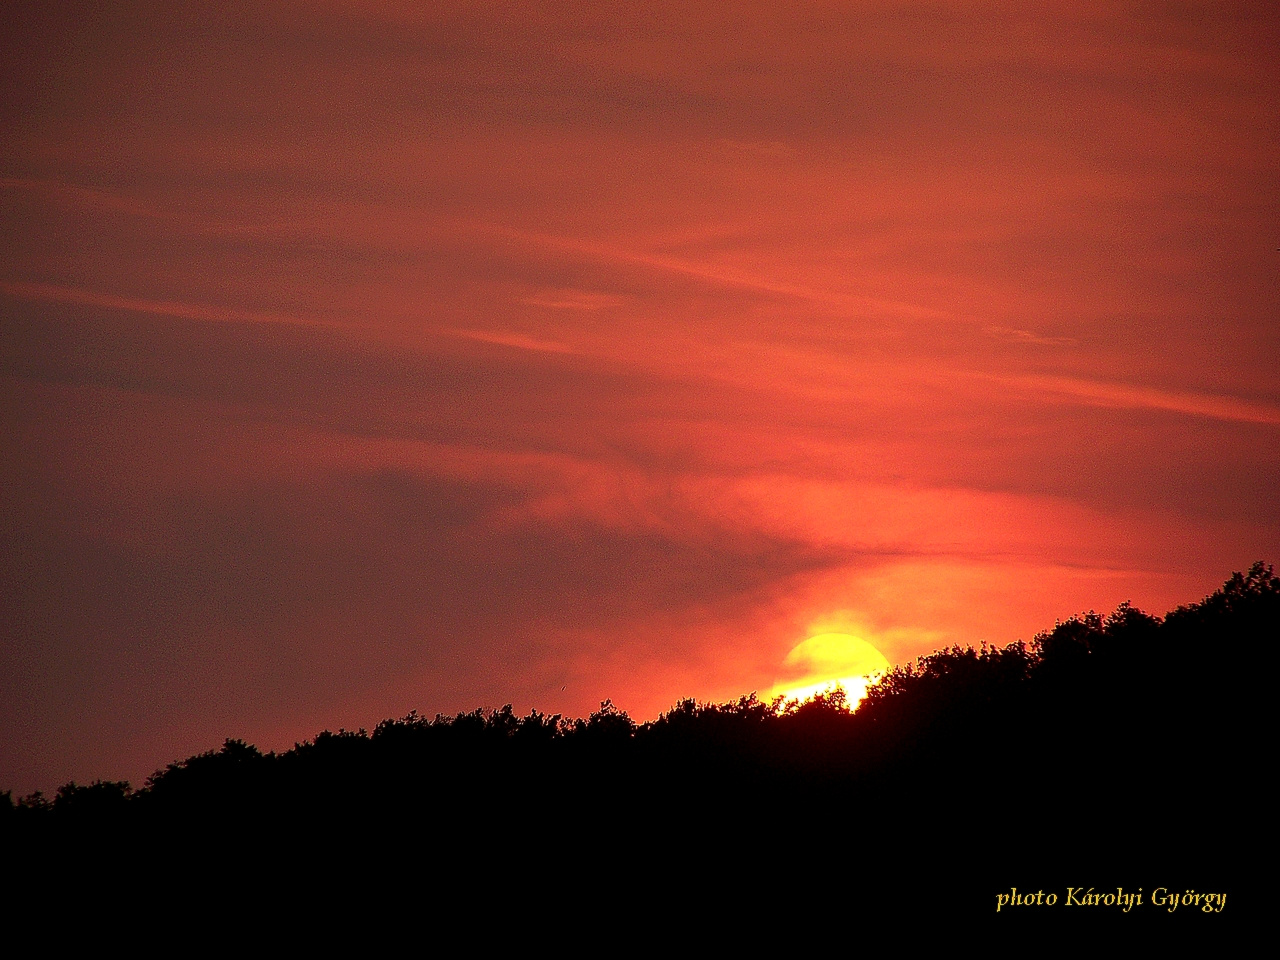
point(360, 358)
point(828, 660)
point(853, 688)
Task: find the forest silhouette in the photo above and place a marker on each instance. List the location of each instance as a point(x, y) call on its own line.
point(1119, 751)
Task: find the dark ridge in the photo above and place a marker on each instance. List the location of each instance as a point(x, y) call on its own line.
point(1110, 755)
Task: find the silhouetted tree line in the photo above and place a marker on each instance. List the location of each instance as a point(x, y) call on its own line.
point(1125, 749)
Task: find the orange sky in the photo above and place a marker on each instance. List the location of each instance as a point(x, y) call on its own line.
point(357, 358)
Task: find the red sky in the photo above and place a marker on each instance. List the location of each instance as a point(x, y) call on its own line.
point(359, 358)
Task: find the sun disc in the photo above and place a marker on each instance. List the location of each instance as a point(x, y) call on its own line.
point(827, 660)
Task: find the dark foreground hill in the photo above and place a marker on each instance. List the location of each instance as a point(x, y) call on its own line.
point(1111, 771)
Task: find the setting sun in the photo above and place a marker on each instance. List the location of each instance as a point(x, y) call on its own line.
point(829, 660)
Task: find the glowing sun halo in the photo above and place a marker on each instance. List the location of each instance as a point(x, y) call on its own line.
point(826, 660)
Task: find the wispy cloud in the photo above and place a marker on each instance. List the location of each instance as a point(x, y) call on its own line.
point(1016, 335)
point(48, 292)
point(1122, 395)
point(77, 195)
point(571, 299)
point(715, 275)
point(519, 341)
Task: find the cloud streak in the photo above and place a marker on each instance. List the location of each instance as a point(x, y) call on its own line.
point(165, 308)
point(1148, 398)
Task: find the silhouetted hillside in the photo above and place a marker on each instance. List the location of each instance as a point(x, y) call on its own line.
point(1120, 751)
